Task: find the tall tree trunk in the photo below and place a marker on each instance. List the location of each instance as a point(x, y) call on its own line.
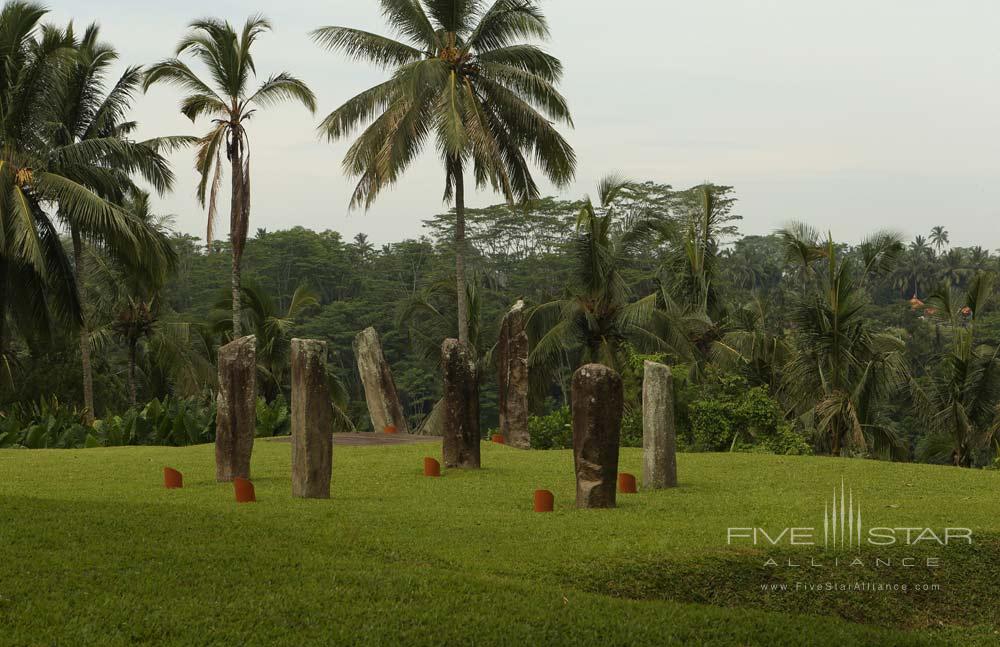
point(236, 245)
point(88, 375)
point(463, 311)
point(131, 373)
point(4, 364)
point(237, 312)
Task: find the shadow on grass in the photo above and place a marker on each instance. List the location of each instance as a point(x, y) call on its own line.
point(961, 591)
point(123, 572)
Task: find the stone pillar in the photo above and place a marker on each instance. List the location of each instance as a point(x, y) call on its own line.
point(236, 412)
point(460, 419)
point(380, 389)
point(597, 419)
point(659, 434)
point(312, 421)
point(512, 378)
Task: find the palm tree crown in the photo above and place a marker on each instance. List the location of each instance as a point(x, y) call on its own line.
point(842, 369)
point(463, 74)
point(229, 102)
point(92, 147)
point(958, 399)
point(598, 318)
point(939, 238)
point(63, 159)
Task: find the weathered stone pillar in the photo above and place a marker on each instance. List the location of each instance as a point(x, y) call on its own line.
point(460, 420)
point(312, 421)
point(236, 412)
point(659, 435)
point(380, 389)
point(597, 419)
point(512, 378)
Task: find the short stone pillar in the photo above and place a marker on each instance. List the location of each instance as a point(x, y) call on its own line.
point(236, 410)
point(312, 421)
point(512, 378)
point(384, 408)
point(597, 403)
point(659, 433)
point(460, 419)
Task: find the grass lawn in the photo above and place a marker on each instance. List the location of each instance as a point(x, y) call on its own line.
point(96, 552)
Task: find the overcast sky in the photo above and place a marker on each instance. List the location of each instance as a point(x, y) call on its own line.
point(851, 115)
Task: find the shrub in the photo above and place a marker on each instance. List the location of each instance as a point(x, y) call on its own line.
point(743, 419)
point(555, 430)
point(551, 431)
point(711, 425)
point(172, 421)
point(631, 434)
point(46, 423)
point(273, 419)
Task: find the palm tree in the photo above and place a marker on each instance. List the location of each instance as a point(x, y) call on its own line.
point(953, 267)
point(842, 370)
point(423, 317)
point(597, 318)
point(229, 105)
point(130, 295)
point(272, 328)
point(914, 273)
point(40, 175)
point(979, 258)
point(137, 320)
point(693, 267)
point(467, 77)
point(425, 320)
point(959, 402)
point(752, 346)
point(362, 248)
point(89, 116)
point(939, 238)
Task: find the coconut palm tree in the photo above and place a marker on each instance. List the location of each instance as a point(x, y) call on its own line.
point(597, 318)
point(842, 370)
point(272, 327)
point(959, 400)
point(424, 317)
point(229, 101)
point(914, 272)
point(126, 300)
point(980, 258)
point(91, 146)
point(135, 321)
point(751, 345)
point(953, 267)
point(692, 268)
point(939, 238)
point(44, 182)
point(467, 77)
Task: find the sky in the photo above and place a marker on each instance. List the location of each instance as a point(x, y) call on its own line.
point(852, 115)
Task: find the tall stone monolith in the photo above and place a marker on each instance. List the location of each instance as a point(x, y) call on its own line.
point(384, 408)
point(460, 417)
point(312, 421)
point(512, 378)
point(236, 411)
point(597, 419)
point(659, 434)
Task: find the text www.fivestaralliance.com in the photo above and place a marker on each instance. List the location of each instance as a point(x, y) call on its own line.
point(850, 587)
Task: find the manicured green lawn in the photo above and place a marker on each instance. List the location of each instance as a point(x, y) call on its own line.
point(96, 552)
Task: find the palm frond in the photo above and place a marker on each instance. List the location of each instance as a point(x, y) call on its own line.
point(381, 51)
